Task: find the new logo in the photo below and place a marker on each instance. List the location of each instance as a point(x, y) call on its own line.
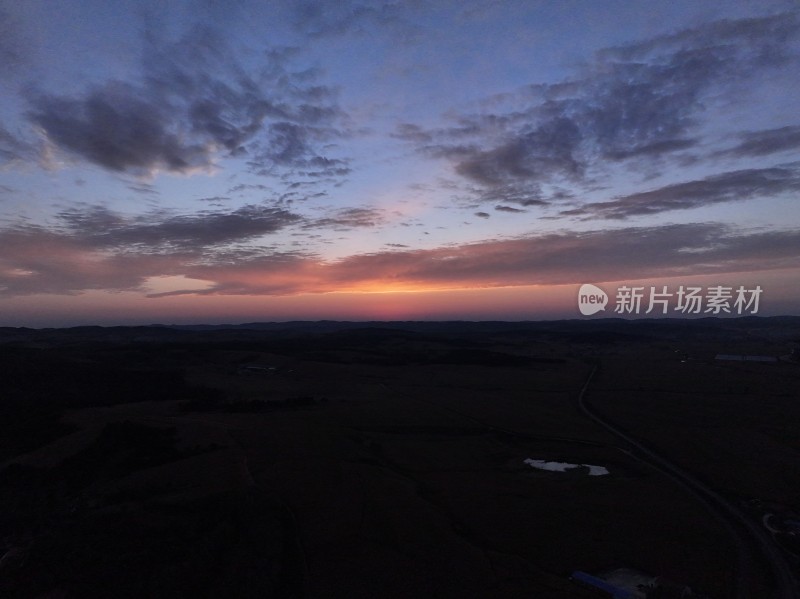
point(591, 299)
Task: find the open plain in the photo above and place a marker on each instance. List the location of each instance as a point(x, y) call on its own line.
point(389, 459)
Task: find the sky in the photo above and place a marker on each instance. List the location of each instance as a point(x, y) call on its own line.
point(214, 162)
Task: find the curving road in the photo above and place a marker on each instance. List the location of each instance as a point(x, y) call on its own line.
point(786, 585)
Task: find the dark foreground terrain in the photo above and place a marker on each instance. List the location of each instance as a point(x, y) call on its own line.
point(389, 460)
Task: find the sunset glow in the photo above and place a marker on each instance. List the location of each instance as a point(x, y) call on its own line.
point(370, 161)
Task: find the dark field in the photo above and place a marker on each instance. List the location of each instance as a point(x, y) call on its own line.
point(387, 459)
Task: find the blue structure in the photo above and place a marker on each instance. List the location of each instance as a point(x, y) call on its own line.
point(603, 585)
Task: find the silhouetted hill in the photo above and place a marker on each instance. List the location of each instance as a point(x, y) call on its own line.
point(580, 330)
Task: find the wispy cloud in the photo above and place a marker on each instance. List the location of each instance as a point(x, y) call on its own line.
point(511, 209)
point(763, 143)
point(636, 132)
point(194, 104)
point(644, 101)
point(13, 53)
point(35, 260)
point(82, 256)
point(632, 253)
point(320, 19)
point(732, 186)
point(13, 149)
point(348, 218)
point(99, 227)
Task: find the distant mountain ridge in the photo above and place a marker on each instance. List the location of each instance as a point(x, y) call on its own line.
point(576, 330)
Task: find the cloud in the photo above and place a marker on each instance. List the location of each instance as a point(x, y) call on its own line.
point(732, 186)
point(640, 103)
point(290, 144)
point(100, 228)
point(322, 19)
point(509, 209)
point(35, 260)
point(565, 258)
point(348, 218)
point(114, 128)
point(412, 132)
point(551, 147)
point(14, 46)
point(144, 188)
point(763, 143)
point(193, 105)
point(482, 214)
point(653, 149)
point(100, 250)
point(524, 194)
point(14, 149)
point(248, 187)
point(96, 248)
point(773, 32)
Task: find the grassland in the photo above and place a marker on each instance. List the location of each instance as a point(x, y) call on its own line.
point(380, 461)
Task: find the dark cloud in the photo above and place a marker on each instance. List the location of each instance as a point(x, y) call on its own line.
point(653, 149)
point(98, 228)
point(317, 19)
point(526, 195)
point(35, 260)
point(501, 208)
point(144, 188)
point(96, 248)
point(100, 250)
point(208, 236)
point(14, 148)
point(115, 129)
point(294, 145)
point(14, 46)
point(642, 102)
point(348, 218)
point(727, 187)
point(763, 143)
point(287, 143)
point(563, 258)
point(773, 32)
point(549, 148)
point(411, 132)
point(482, 214)
point(194, 104)
point(248, 187)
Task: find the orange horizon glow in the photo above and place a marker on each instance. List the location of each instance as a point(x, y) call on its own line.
point(531, 302)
